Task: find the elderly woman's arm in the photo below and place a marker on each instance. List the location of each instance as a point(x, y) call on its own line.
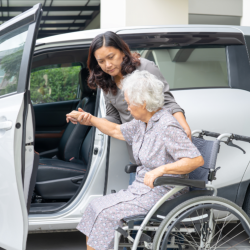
point(182, 166)
point(106, 127)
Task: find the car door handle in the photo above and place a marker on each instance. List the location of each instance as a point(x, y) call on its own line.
point(6, 125)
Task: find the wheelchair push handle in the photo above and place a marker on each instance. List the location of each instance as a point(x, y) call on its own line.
point(241, 138)
point(208, 133)
point(224, 135)
point(228, 136)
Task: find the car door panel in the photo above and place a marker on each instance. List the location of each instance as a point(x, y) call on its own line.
point(214, 110)
point(117, 178)
point(12, 208)
point(17, 40)
point(52, 116)
point(51, 123)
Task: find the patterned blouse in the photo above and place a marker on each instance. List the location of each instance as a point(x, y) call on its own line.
point(163, 141)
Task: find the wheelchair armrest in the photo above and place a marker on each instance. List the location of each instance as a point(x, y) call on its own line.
point(131, 168)
point(167, 180)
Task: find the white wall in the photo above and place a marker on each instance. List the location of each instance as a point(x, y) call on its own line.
point(224, 12)
point(245, 20)
point(122, 13)
point(156, 12)
point(215, 7)
point(113, 13)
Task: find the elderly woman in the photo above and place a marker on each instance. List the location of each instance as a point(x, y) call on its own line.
point(160, 147)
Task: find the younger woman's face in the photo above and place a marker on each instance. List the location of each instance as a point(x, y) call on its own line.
point(110, 60)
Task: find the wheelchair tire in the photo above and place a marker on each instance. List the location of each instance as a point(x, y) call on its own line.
point(246, 204)
point(190, 226)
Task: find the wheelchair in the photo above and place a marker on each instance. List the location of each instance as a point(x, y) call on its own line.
point(198, 219)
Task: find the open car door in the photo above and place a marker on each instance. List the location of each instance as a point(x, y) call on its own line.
point(17, 158)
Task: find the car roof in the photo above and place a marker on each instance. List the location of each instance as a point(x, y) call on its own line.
point(86, 36)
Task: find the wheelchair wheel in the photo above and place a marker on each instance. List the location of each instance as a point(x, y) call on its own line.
point(204, 223)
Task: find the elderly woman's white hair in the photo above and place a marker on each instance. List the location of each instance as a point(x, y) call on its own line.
point(141, 86)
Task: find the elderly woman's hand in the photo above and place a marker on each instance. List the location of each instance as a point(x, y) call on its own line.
point(152, 175)
point(70, 119)
point(79, 116)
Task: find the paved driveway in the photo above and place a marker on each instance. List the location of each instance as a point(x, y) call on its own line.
point(76, 241)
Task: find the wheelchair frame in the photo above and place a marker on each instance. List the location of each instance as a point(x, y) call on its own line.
point(178, 186)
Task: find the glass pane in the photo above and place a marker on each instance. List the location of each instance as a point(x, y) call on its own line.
point(191, 67)
point(54, 83)
point(11, 51)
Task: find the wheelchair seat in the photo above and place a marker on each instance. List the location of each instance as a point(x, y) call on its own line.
point(168, 206)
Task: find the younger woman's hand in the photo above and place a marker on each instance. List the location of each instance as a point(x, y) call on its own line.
point(73, 116)
point(189, 133)
point(83, 117)
point(152, 175)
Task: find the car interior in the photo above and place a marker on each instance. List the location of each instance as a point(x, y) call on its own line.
point(58, 85)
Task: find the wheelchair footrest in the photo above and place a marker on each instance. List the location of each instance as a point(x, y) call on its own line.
point(145, 237)
point(124, 233)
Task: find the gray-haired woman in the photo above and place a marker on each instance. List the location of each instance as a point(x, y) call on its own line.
point(160, 147)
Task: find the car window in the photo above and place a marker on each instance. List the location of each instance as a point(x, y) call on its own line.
point(185, 68)
point(54, 83)
point(11, 51)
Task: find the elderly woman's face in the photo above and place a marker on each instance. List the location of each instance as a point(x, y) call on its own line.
point(109, 59)
point(138, 112)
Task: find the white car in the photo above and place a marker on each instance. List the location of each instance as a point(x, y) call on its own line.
point(207, 68)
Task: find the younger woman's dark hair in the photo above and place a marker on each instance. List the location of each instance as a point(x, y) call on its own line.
point(97, 77)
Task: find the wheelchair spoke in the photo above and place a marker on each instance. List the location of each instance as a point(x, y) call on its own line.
point(228, 239)
point(195, 228)
point(195, 243)
point(190, 234)
point(222, 229)
point(228, 233)
point(200, 222)
point(238, 243)
point(183, 244)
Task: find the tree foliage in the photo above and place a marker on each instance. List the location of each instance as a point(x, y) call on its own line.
point(54, 84)
point(10, 65)
point(51, 83)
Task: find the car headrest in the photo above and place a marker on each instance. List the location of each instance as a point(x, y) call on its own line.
point(83, 76)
